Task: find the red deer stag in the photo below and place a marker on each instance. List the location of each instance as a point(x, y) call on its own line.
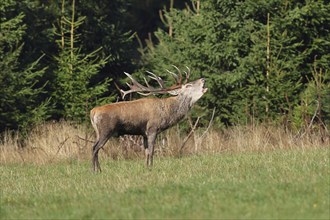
point(148, 116)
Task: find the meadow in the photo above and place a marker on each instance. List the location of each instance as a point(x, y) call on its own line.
point(239, 173)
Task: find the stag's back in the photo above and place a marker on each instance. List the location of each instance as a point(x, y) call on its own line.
point(134, 117)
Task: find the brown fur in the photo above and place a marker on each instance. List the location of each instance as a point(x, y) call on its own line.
point(147, 117)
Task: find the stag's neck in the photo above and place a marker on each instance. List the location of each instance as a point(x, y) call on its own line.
point(182, 105)
point(177, 107)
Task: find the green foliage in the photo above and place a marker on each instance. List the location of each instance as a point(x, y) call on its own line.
point(40, 19)
point(226, 42)
point(290, 184)
point(314, 104)
point(72, 88)
point(105, 25)
point(73, 91)
point(21, 101)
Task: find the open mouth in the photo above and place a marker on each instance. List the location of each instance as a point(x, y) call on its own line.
point(204, 89)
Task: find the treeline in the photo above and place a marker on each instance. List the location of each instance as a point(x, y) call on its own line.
point(264, 61)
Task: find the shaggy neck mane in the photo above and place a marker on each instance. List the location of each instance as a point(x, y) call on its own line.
point(176, 109)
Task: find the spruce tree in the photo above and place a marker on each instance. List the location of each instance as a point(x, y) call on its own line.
point(256, 56)
point(21, 93)
point(73, 92)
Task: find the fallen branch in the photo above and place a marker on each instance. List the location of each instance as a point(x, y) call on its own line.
point(188, 136)
point(84, 139)
point(193, 128)
point(209, 126)
point(310, 123)
point(59, 148)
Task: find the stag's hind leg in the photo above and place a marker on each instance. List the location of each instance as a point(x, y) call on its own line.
point(96, 147)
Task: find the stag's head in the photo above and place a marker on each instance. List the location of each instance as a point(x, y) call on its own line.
point(192, 90)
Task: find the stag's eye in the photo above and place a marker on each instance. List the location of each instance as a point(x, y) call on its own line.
point(188, 85)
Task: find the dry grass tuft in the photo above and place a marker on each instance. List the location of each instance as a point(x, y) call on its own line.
point(52, 142)
point(46, 143)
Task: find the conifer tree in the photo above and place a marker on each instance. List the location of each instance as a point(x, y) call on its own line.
point(21, 101)
point(256, 57)
point(73, 92)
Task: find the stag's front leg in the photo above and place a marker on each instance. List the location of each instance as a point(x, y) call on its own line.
point(146, 150)
point(149, 149)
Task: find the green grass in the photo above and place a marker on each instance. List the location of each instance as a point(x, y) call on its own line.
point(278, 184)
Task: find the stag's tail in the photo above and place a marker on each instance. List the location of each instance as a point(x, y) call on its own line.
point(92, 117)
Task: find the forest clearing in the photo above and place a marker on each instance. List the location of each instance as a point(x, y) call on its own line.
point(244, 172)
point(245, 135)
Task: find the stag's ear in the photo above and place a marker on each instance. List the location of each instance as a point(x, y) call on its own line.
point(188, 85)
point(174, 92)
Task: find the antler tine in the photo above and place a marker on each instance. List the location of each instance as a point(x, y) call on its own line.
point(179, 81)
point(146, 82)
point(135, 83)
point(133, 88)
point(175, 76)
point(136, 87)
point(147, 89)
point(157, 78)
point(187, 74)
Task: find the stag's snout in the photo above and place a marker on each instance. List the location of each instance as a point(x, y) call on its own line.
point(202, 80)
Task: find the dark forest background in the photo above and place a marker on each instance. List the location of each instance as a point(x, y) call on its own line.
point(265, 61)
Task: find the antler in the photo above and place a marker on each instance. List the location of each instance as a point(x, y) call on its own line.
point(177, 78)
point(147, 89)
point(187, 75)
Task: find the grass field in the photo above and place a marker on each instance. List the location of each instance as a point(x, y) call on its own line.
point(276, 184)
